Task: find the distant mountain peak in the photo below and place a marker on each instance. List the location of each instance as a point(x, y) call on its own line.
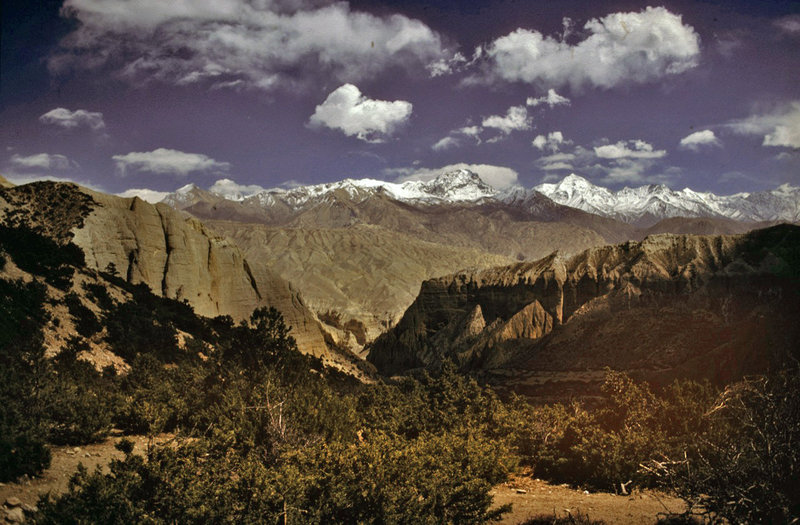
point(645, 205)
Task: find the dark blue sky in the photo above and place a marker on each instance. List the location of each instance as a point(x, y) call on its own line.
point(123, 94)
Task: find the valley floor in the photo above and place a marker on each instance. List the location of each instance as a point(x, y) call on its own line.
point(529, 497)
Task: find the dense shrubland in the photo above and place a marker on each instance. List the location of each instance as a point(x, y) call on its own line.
point(264, 433)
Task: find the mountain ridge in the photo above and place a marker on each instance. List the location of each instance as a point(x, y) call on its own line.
point(641, 207)
point(616, 305)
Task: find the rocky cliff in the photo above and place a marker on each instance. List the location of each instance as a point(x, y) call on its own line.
point(175, 255)
point(718, 305)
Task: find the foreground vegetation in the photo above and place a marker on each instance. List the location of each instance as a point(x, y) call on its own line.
point(265, 434)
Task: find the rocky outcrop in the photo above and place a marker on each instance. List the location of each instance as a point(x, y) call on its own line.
point(4, 183)
point(175, 255)
point(667, 302)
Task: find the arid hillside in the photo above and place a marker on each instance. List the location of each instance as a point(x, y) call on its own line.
point(673, 305)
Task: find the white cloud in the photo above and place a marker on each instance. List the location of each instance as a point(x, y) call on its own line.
point(551, 142)
point(551, 99)
point(168, 162)
point(631, 149)
point(64, 118)
point(445, 143)
point(698, 139)
point(779, 128)
point(25, 178)
point(233, 190)
point(620, 48)
point(515, 119)
point(41, 161)
point(455, 138)
point(346, 109)
point(499, 177)
point(151, 196)
point(789, 25)
point(258, 44)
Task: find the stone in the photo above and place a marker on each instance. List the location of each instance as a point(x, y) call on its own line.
point(15, 515)
point(13, 501)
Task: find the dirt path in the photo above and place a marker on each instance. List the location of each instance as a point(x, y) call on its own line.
point(65, 462)
point(533, 497)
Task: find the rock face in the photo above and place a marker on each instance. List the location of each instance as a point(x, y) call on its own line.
point(707, 306)
point(175, 255)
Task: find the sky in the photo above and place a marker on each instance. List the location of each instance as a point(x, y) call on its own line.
point(153, 95)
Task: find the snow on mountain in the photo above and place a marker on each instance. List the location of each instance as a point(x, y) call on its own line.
point(457, 186)
point(642, 206)
point(646, 205)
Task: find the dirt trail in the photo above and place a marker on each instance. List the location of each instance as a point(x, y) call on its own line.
point(533, 497)
point(65, 462)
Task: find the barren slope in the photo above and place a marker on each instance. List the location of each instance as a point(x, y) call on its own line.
point(359, 279)
point(176, 256)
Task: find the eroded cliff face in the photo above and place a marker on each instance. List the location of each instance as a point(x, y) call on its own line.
point(601, 307)
point(175, 255)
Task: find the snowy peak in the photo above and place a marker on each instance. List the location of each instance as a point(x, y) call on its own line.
point(646, 205)
point(460, 185)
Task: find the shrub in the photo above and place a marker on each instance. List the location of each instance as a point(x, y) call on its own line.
point(86, 323)
point(746, 468)
point(40, 255)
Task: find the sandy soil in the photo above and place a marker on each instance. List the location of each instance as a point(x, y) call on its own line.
point(533, 497)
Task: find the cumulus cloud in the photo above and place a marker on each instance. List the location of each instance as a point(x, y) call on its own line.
point(632, 162)
point(698, 139)
point(233, 190)
point(551, 99)
point(631, 149)
point(515, 119)
point(780, 128)
point(551, 142)
point(151, 196)
point(347, 110)
point(64, 118)
point(168, 162)
point(620, 48)
point(254, 44)
point(498, 177)
point(40, 161)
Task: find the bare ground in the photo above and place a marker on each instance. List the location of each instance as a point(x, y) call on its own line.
point(65, 462)
point(535, 498)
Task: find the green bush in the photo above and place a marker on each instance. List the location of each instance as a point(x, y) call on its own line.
point(40, 255)
point(746, 468)
point(86, 323)
point(603, 447)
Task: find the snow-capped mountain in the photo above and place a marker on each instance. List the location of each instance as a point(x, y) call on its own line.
point(456, 186)
point(645, 205)
point(641, 207)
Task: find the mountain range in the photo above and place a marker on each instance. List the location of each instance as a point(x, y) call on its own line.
point(642, 206)
point(358, 250)
point(533, 294)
